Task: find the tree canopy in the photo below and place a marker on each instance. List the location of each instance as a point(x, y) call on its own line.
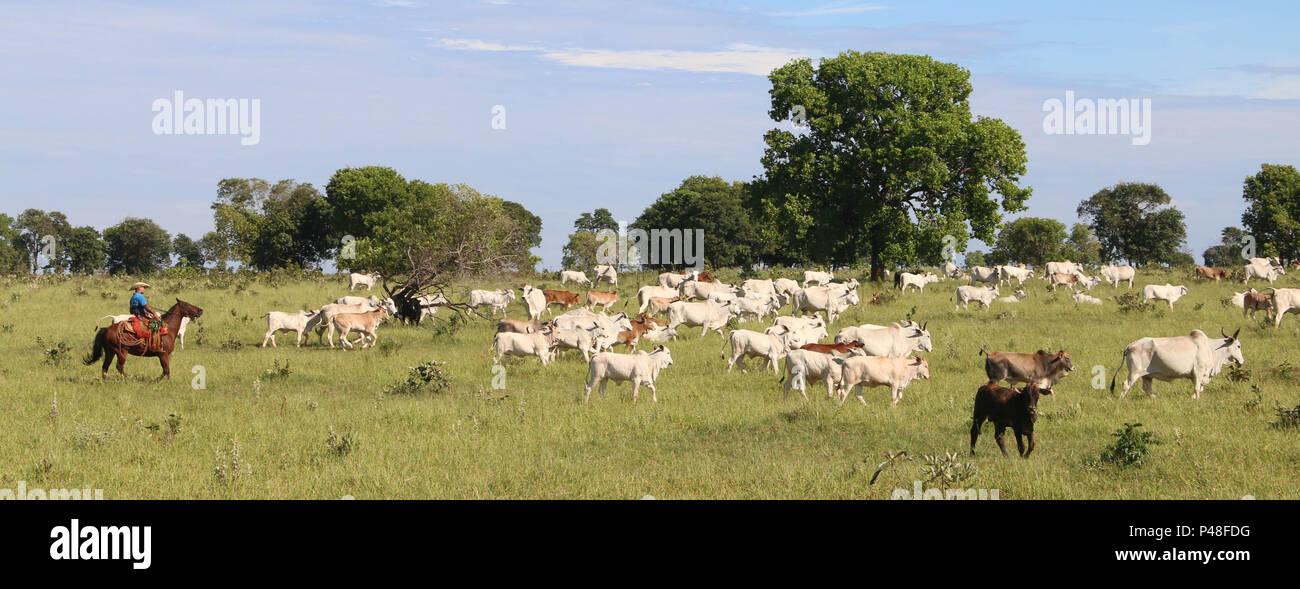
point(1032, 240)
point(1272, 213)
point(709, 204)
point(137, 246)
point(1135, 222)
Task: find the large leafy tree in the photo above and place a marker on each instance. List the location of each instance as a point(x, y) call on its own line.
point(1032, 240)
point(293, 228)
point(1228, 252)
point(1272, 213)
point(137, 246)
point(580, 251)
point(34, 225)
point(711, 205)
point(188, 252)
point(1082, 245)
point(356, 195)
point(236, 216)
point(82, 250)
point(1135, 222)
point(12, 258)
point(891, 160)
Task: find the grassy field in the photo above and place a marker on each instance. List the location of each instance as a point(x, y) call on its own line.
point(260, 431)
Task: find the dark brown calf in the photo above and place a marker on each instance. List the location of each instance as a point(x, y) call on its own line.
point(1005, 407)
point(1040, 368)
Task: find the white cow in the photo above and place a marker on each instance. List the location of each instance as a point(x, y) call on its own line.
point(498, 300)
point(1284, 299)
point(785, 286)
point(277, 321)
point(1062, 268)
point(1196, 356)
point(809, 329)
point(534, 302)
point(583, 340)
point(694, 289)
point(606, 274)
point(983, 274)
point(639, 368)
point(895, 340)
point(1168, 293)
point(674, 280)
point(821, 278)
point(758, 306)
point(1007, 273)
point(755, 286)
point(428, 305)
point(1015, 297)
point(323, 322)
point(806, 366)
point(831, 300)
point(949, 270)
point(372, 300)
point(983, 295)
point(1265, 268)
point(917, 281)
point(1117, 274)
point(366, 280)
point(506, 343)
point(574, 276)
point(607, 325)
point(744, 343)
point(645, 293)
point(895, 373)
point(708, 315)
point(1080, 297)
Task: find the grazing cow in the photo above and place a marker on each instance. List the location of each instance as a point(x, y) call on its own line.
point(805, 366)
point(1284, 299)
point(758, 306)
point(949, 270)
point(534, 302)
point(903, 280)
point(1195, 356)
point(1168, 293)
point(506, 343)
point(751, 344)
point(498, 300)
point(1267, 268)
point(639, 368)
point(983, 274)
point(1015, 297)
point(1062, 268)
point(1006, 407)
point(1059, 279)
point(606, 274)
point(561, 297)
point(1081, 298)
point(808, 329)
point(1208, 273)
point(1117, 274)
point(1040, 368)
point(895, 340)
point(820, 278)
point(517, 326)
point(180, 332)
point(645, 293)
point(366, 280)
point(277, 321)
point(831, 300)
point(674, 280)
point(1007, 273)
point(1257, 301)
point(575, 276)
point(708, 315)
point(983, 295)
point(366, 323)
point(785, 286)
point(870, 371)
point(602, 299)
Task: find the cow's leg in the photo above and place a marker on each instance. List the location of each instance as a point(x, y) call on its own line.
point(636, 389)
point(297, 341)
point(895, 395)
point(1129, 382)
point(997, 435)
point(858, 391)
point(267, 337)
point(1020, 441)
point(654, 395)
point(1277, 321)
point(1146, 386)
point(976, 423)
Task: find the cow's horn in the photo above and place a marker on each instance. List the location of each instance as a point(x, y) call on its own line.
point(1234, 334)
point(923, 325)
point(1223, 333)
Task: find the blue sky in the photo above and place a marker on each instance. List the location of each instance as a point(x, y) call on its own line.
point(608, 103)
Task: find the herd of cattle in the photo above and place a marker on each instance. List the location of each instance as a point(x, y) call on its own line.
point(857, 356)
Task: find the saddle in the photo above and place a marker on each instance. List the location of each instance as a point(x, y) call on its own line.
point(147, 333)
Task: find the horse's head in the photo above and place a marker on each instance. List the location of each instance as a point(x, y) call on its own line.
point(185, 309)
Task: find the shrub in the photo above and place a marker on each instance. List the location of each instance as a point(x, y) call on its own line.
point(1286, 418)
point(428, 376)
point(1132, 301)
point(1130, 447)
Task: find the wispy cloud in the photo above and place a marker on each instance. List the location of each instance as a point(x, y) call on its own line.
point(738, 58)
point(832, 9)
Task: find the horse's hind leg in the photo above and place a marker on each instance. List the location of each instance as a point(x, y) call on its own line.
point(121, 363)
point(108, 360)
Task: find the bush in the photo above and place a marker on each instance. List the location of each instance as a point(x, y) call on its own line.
point(1130, 447)
point(428, 376)
point(1286, 418)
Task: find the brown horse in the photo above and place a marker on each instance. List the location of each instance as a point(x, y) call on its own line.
point(108, 341)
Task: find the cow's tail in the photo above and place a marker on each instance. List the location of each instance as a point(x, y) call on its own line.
point(97, 347)
point(1122, 359)
point(983, 351)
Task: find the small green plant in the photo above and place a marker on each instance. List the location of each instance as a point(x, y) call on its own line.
point(1285, 371)
point(229, 467)
point(57, 355)
point(388, 347)
point(277, 371)
point(450, 327)
point(1287, 418)
point(1254, 403)
point(427, 377)
point(1198, 306)
point(84, 436)
point(340, 445)
point(1129, 449)
point(890, 458)
point(1130, 302)
point(948, 470)
point(1236, 373)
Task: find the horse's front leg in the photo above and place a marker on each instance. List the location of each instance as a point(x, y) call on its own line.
point(166, 361)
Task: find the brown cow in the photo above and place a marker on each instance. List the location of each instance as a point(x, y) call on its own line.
point(660, 304)
point(1058, 279)
point(1040, 368)
point(843, 348)
point(650, 321)
point(1207, 272)
point(1014, 408)
point(1257, 301)
point(602, 299)
point(705, 277)
point(631, 337)
point(561, 297)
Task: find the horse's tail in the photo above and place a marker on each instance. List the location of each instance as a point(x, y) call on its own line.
point(97, 347)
